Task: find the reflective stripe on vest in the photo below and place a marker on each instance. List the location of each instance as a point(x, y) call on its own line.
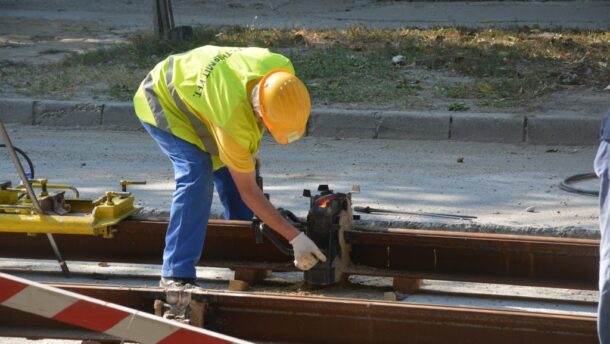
point(153, 103)
point(202, 131)
point(157, 110)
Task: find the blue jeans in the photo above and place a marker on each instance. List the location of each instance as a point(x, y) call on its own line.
point(192, 201)
point(602, 169)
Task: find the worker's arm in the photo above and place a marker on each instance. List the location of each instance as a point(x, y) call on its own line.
point(306, 253)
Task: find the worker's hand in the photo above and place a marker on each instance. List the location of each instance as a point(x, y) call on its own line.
point(306, 253)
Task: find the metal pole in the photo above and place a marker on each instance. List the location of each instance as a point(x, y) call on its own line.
point(32, 195)
point(369, 210)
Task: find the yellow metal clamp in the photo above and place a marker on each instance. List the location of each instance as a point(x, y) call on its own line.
point(45, 186)
point(108, 196)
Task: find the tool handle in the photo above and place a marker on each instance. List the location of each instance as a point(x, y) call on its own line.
point(366, 210)
point(125, 182)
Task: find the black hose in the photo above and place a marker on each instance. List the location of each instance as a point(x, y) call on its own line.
point(272, 235)
point(275, 240)
point(27, 159)
point(566, 184)
point(287, 214)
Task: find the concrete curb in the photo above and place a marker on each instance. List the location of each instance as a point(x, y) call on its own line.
point(367, 124)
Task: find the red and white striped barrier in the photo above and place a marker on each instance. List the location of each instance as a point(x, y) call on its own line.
point(100, 316)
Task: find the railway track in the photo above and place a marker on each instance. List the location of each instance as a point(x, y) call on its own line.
point(299, 319)
point(400, 253)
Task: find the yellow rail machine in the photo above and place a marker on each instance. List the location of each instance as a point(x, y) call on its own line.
point(62, 215)
point(24, 211)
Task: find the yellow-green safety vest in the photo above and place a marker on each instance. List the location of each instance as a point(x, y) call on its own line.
point(186, 92)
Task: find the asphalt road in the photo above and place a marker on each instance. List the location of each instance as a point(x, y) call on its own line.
point(320, 13)
point(496, 182)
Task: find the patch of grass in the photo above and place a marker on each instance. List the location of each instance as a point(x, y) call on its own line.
point(120, 91)
point(340, 74)
point(353, 65)
point(456, 90)
point(457, 107)
point(497, 92)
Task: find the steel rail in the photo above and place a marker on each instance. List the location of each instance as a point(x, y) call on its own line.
point(426, 254)
point(476, 257)
point(228, 244)
point(298, 319)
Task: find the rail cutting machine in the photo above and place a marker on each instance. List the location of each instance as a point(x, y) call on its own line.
point(330, 213)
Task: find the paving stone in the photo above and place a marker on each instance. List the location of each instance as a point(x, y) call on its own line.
point(562, 130)
point(120, 116)
point(405, 126)
point(67, 113)
point(342, 124)
point(506, 128)
point(16, 111)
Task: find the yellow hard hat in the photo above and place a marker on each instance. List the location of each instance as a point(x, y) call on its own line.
point(284, 105)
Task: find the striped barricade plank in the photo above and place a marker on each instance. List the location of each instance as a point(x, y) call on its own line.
point(100, 316)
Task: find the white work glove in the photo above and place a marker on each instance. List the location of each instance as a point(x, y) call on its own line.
point(306, 253)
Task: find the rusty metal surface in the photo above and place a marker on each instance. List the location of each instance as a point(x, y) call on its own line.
point(297, 319)
point(228, 243)
point(476, 257)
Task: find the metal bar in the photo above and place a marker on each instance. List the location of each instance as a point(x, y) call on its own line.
point(428, 254)
point(476, 257)
point(297, 319)
point(369, 210)
point(16, 207)
point(228, 244)
point(28, 187)
point(55, 186)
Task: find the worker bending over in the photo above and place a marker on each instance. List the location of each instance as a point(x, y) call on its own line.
point(207, 109)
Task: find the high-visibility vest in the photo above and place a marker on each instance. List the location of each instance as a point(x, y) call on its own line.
point(186, 93)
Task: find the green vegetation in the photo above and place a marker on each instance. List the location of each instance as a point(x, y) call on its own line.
point(493, 67)
point(457, 107)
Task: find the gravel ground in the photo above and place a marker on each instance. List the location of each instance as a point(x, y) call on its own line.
point(495, 182)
